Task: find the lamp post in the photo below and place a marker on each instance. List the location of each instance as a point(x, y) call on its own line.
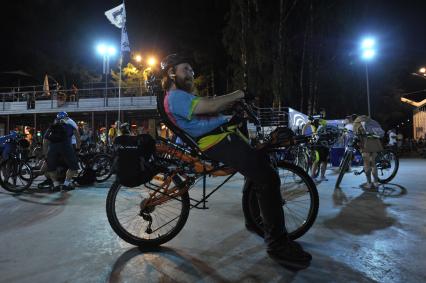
point(106, 52)
point(368, 53)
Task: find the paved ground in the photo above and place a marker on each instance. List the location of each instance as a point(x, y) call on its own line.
point(359, 236)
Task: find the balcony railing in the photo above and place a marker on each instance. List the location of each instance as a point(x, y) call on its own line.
point(92, 99)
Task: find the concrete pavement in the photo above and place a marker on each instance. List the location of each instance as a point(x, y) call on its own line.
point(359, 236)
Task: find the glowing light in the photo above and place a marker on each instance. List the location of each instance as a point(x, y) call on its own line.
point(368, 43)
point(368, 54)
point(138, 58)
point(152, 61)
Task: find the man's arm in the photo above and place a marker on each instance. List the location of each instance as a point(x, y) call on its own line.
point(77, 138)
point(217, 104)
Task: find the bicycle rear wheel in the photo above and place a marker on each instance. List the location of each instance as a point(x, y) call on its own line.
point(300, 201)
point(387, 163)
point(15, 176)
point(147, 218)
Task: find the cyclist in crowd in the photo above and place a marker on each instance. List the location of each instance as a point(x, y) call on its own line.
point(392, 139)
point(200, 117)
point(57, 144)
point(113, 132)
point(321, 150)
point(369, 146)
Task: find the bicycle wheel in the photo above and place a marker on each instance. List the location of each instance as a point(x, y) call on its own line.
point(15, 176)
point(102, 164)
point(387, 163)
point(300, 202)
point(146, 218)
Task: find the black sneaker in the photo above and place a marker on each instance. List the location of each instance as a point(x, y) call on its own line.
point(56, 188)
point(46, 184)
point(290, 254)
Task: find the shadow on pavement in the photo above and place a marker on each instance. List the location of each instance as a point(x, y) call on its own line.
point(391, 190)
point(161, 265)
point(362, 215)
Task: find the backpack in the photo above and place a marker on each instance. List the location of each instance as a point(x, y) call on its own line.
point(133, 164)
point(86, 177)
point(373, 128)
point(57, 133)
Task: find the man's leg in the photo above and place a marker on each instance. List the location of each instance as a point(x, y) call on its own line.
point(255, 166)
point(367, 167)
point(374, 168)
point(70, 158)
point(52, 164)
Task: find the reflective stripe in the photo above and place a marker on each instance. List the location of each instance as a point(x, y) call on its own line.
point(317, 157)
point(211, 140)
point(193, 104)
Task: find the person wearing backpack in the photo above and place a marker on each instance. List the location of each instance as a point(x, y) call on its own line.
point(132, 157)
point(58, 145)
point(369, 132)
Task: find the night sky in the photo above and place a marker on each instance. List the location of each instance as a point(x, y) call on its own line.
point(59, 37)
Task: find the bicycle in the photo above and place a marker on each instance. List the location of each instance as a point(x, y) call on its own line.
point(387, 163)
point(154, 213)
point(15, 172)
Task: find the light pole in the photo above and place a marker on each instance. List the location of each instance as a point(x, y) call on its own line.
point(368, 53)
point(106, 52)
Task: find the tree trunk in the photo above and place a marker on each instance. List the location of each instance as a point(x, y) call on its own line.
point(302, 69)
point(311, 62)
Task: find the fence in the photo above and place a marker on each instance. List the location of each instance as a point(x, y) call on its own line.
point(91, 98)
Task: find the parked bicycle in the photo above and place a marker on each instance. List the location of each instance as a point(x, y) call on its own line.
point(15, 172)
point(387, 163)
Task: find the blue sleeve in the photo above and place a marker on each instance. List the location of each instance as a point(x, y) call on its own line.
point(182, 104)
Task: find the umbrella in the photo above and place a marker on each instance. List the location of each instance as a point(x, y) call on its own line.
point(46, 86)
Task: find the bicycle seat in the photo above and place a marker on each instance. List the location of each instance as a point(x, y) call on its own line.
point(187, 139)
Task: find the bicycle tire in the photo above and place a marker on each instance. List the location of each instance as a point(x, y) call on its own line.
point(251, 207)
point(99, 176)
point(395, 169)
point(343, 168)
point(16, 164)
point(130, 238)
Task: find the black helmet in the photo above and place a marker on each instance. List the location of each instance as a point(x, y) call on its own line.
point(125, 128)
point(171, 61)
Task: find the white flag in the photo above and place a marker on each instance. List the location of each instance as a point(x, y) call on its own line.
point(117, 16)
point(125, 45)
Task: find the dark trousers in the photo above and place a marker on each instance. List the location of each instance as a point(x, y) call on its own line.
point(255, 166)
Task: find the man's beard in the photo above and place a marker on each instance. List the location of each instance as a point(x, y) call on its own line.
point(185, 84)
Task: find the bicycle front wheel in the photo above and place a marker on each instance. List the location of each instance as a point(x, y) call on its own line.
point(387, 163)
point(299, 199)
point(15, 176)
point(143, 217)
point(102, 164)
point(344, 166)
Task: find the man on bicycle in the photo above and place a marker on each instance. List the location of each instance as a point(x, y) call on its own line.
point(200, 117)
point(58, 145)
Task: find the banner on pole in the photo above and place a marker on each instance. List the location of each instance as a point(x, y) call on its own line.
point(117, 17)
